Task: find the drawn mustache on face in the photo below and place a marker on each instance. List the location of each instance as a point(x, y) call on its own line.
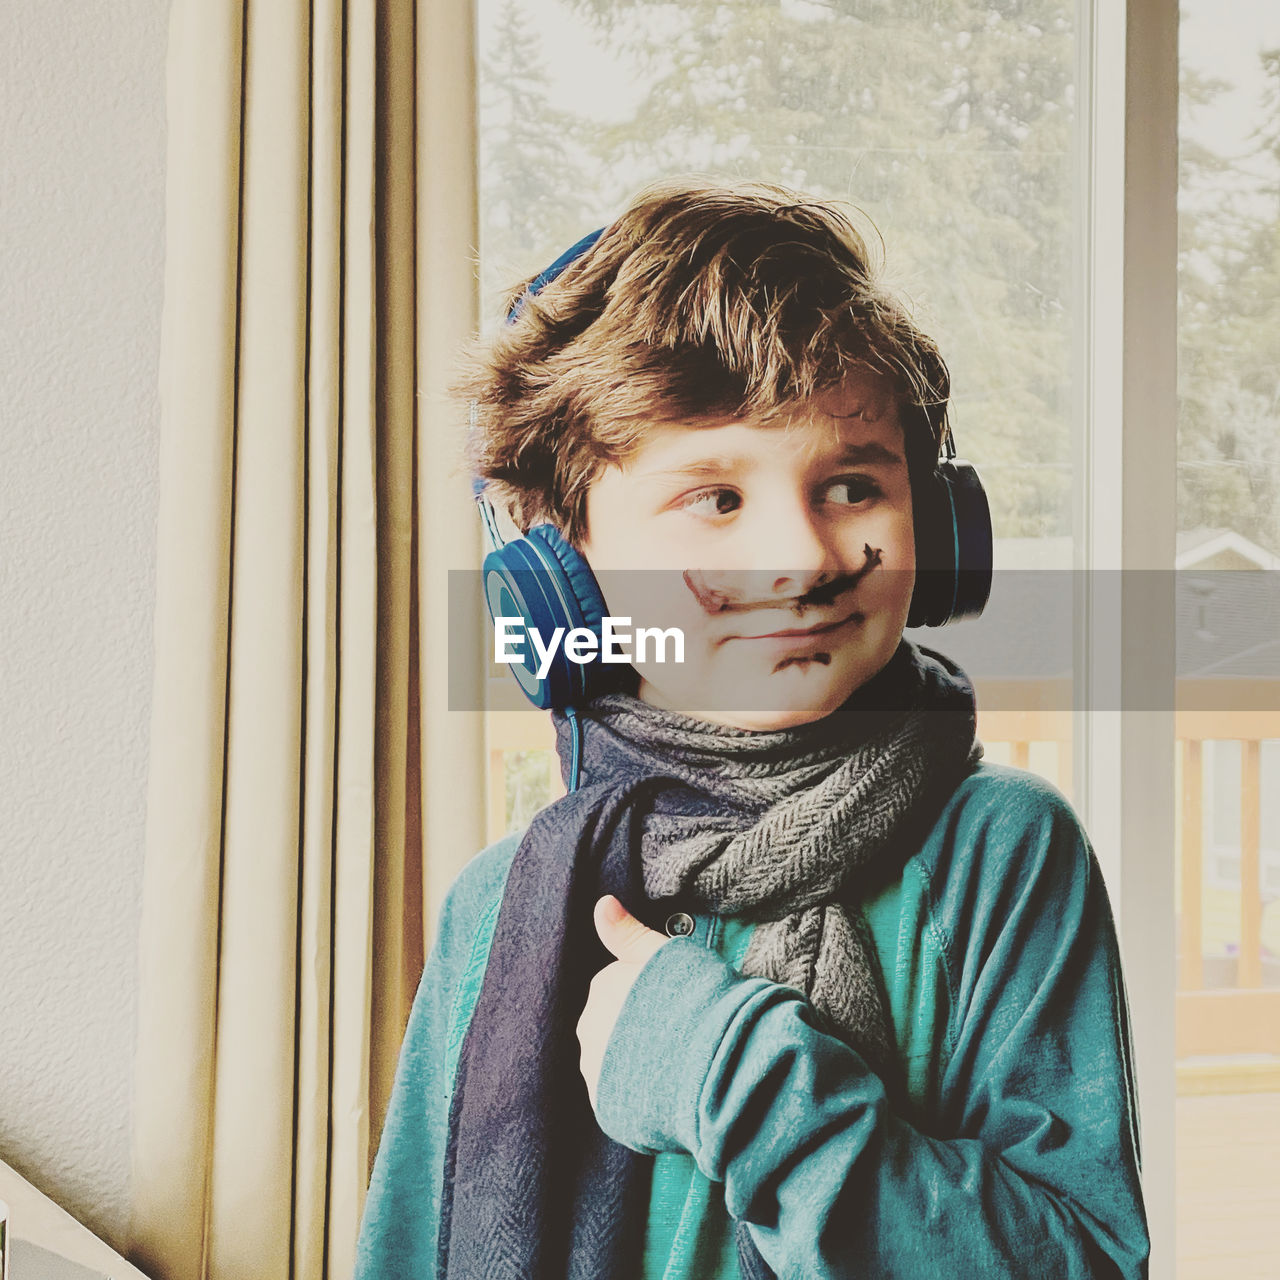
point(721, 599)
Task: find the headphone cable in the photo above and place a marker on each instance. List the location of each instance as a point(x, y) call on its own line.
point(575, 747)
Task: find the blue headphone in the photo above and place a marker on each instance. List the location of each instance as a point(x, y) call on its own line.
point(541, 579)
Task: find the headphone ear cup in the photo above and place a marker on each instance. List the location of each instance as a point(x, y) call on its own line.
point(583, 599)
point(973, 536)
point(587, 605)
point(544, 582)
point(953, 547)
point(935, 552)
point(516, 587)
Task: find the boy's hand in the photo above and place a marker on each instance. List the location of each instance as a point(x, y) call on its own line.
point(633, 943)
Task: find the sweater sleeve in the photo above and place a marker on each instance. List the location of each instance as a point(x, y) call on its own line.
point(401, 1217)
point(1032, 1165)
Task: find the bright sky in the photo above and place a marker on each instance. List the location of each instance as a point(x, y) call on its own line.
point(585, 77)
point(1222, 38)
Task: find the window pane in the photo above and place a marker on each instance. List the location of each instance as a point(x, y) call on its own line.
point(1229, 520)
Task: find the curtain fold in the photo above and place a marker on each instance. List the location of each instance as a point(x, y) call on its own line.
point(284, 914)
point(446, 233)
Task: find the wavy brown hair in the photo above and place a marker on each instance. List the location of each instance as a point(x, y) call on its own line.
point(701, 299)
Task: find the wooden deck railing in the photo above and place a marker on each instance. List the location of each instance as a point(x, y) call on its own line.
point(1243, 1017)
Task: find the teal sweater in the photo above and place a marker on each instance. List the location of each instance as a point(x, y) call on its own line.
point(1009, 1148)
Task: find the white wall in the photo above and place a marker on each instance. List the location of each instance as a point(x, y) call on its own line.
point(81, 246)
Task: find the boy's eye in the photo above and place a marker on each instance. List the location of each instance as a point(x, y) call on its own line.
point(713, 502)
point(849, 490)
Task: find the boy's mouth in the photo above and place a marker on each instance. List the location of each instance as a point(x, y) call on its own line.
point(800, 633)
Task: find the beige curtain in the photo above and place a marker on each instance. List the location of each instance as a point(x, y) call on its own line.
point(319, 276)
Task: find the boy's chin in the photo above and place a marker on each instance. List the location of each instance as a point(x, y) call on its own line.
point(785, 700)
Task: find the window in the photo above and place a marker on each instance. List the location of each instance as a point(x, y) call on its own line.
point(999, 162)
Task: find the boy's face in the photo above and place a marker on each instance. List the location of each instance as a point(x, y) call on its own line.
point(788, 553)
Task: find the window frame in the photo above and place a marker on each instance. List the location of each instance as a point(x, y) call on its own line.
point(1124, 513)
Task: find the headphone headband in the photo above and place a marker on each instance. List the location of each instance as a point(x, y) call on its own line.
point(548, 274)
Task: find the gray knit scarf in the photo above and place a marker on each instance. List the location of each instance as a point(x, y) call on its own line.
point(795, 827)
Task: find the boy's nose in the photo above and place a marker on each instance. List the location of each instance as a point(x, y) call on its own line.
point(794, 553)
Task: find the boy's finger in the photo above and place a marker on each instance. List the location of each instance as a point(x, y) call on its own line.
point(624, 935)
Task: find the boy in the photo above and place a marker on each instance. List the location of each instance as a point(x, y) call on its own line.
point(855, 1007)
